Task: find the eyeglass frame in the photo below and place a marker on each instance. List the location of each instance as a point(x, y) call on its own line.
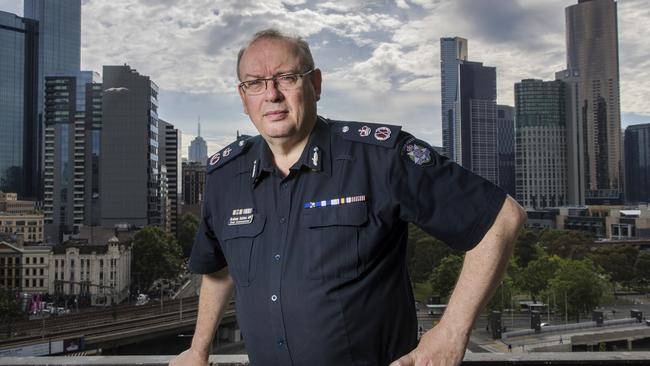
point(275, 81)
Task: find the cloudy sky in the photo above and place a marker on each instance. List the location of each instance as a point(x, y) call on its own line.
point(380, 59)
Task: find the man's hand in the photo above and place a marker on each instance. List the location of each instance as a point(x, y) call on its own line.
point(441, 346)
point(190, 357)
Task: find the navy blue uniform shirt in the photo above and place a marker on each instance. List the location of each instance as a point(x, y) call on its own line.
point(318, 256)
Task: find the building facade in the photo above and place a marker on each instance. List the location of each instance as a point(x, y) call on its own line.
point(74, 268)
point(198, 150)
point(170, 150)
point(506, 148)
point(130, 157)
point(475, 132)
point(10, 204)
point(193, 187)
point(453, 51)
point(592, 58)
point(73, 107)
point(540, 140)
point(637, 163)
point(28, 226)
point(19, 140)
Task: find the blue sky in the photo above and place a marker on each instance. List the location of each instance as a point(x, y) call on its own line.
point(380, 59)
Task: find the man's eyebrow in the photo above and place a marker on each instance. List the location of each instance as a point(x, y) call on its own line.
point(257, 76)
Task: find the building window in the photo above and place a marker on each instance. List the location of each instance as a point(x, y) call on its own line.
point(40, 282)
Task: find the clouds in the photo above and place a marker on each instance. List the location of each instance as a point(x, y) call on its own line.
point(380, 58)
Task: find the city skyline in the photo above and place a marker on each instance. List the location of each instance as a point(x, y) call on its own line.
point(384, 53)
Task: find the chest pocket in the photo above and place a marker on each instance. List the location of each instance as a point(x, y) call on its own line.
point(333, 240)
point(240, 251)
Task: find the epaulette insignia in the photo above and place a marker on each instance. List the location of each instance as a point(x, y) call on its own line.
point(369, 133)
point(228, 153)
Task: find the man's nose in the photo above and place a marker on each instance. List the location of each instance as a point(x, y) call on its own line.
point(272, 92)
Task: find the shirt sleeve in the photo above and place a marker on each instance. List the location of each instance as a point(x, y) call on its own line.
point(441, 197)
point(206, 256)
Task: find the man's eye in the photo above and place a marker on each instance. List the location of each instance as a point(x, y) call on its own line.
point(288, 78)
point(253, 83)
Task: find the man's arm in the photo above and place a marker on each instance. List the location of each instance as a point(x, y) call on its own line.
point(482, 270)
point(216, 292)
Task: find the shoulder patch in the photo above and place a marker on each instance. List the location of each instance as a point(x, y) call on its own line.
point(369, 133)
point(228, 153)
point(418, 152)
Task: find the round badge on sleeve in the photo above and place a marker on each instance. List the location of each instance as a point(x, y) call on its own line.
point(417, 152)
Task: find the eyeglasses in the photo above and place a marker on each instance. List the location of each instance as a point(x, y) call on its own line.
point(284, 82)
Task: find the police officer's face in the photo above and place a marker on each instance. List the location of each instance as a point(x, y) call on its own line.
point(279, 114)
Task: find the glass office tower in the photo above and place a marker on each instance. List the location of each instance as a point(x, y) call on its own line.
point(19, 138)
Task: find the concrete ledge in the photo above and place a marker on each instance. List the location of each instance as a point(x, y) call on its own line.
point(483, 359)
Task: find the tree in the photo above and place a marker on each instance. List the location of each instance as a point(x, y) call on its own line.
point(566, 243)
point(156, 254)
point(618, 262)
point(444, 276)
point(536, 276)
point(642, 270)
point(424, 253)
point(581, 283)
point(9, 309)
point(525, 251)
point(187, 226)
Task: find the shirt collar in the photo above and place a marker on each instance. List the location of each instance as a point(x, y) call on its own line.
point(316, 156)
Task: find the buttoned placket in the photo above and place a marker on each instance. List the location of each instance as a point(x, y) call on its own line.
point(283, 210)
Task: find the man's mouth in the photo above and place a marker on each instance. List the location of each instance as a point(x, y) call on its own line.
point(276, 115)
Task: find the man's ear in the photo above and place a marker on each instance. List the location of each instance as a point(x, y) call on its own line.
point(243, 99)
point(317, 80)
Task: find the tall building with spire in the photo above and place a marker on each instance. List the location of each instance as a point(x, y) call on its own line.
point(453, 51)
point(592, 58)
point(198, 150)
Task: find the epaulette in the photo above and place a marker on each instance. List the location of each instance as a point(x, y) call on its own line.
point(228, 153)
point(369, 133)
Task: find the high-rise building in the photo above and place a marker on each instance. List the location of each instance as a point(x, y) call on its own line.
point(453, 50)
point(540, 143)
point(637, 163)
point(170, 151)
point(72, 116)
point(506, 148)
point(576, 134)
point(198, 150)
point(59, 50)
point(475, 132)
point(129, 160)
point(193, 187)
point(592, 58)
point(19, 136)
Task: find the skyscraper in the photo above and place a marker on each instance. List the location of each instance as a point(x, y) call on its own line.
point(198, 151)
point(170, 155)
point(59, 49)
point(19, 139)
point(73, 107)
point(637, 163)
point(475, 134)
point(130, 169)
point(540, 137)
point(592, 57)
point(506, 147)
point(453, 50)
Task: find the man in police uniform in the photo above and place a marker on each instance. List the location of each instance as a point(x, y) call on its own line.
point(307, 224)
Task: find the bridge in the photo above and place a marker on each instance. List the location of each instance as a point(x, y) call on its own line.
point(110, 327)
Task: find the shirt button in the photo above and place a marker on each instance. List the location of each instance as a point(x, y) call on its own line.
point(284, 185)
point(274, 298)
point(280, 342)
point(277, 257)
point(283, 220)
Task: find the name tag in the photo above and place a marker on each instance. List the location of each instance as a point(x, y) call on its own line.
point(240, 220)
